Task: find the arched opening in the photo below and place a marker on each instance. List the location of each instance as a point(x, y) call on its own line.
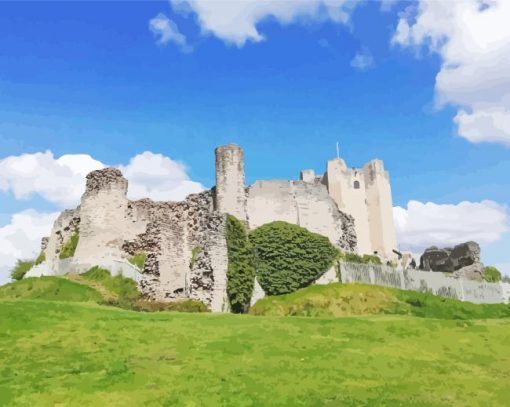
point(356, 184)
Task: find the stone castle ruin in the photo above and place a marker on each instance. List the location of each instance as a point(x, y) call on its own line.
point(184, 242)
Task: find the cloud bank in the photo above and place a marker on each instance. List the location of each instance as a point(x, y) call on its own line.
point(61, 181)
point(58, 180)
point(472, 37)
point(421, 225)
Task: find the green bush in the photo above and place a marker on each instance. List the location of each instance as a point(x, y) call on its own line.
point(289, 257)
point(69, 246)
point(491, 274)
point(125, 288)
point(138, 260)
point(241, 269)
point(21, 268)
point(40, 259)
point(356, 258)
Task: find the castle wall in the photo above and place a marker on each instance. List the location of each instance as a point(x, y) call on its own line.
point(425, 281)
point(268, 201)
point(63, 227)
point(185, 241)
point(300, 203)
point(112, 229)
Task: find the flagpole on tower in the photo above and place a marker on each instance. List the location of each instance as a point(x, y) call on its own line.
point(337, 151)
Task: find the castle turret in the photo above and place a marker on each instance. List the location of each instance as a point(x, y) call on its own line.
point(102, 212)
point(307, 176)
point(230, 185)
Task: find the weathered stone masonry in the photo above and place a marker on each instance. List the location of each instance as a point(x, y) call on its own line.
point(185, 241)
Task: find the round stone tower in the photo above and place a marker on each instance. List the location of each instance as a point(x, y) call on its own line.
point(230, 187)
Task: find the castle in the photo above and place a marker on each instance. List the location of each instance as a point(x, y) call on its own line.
point(184, 242)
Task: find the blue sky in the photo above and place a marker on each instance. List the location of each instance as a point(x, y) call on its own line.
point(92, 78)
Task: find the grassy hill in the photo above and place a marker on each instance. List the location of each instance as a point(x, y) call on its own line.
point(75, 354)
point(338, 300)
point(49, 288)
point(59, 347)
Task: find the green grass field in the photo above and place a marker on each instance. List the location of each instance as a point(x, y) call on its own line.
point(63, 353)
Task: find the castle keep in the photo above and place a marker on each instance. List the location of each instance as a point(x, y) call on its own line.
point(185, 241)
point(365, 194)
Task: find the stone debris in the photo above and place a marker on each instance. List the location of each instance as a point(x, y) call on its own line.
point(463, 260)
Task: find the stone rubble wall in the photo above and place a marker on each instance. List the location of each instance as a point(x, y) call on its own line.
point(65, 225)
point(113, 229)
point(184, 242)
point(174, 231)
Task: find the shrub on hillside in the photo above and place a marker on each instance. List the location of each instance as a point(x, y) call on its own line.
point(125, 288)
point(241, 269)
point(69, 246)
point(138, 260)
point(491, 274)
point(289, 257)
point(21, 268)
point(40, 259)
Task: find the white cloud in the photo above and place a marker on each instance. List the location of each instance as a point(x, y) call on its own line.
point(165, 30)
point(62, 181)
point(473, 39)
point(363, 59)
point(235, 22)
point(387, 5)
point(421, 225)
point(158, 177)
point(21, 238)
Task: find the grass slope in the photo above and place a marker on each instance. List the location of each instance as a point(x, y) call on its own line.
point(49, 288)
point(78, 354)
point(336, 300)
